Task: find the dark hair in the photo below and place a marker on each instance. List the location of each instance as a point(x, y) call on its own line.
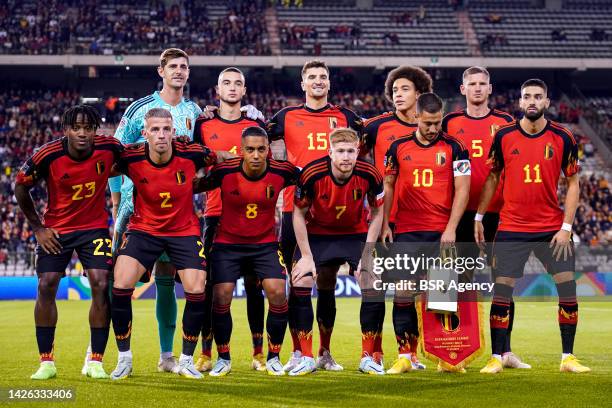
point(475, 70)
point(231, 69)
point(421, 79)
point(254, 131)
point(69, 117)
point(535, 82)
point(429, 102)
point(314, 64)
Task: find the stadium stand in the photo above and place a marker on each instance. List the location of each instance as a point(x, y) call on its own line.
point(117, 27)
point(543, 33)
point(411, 30)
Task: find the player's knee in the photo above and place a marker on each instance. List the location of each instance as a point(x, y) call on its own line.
point(303, 282)
point(276, 295)
point(222, 296)
point(99, 287)
point(47, 286)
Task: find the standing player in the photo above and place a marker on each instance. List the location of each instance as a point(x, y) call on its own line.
point(532, 153)
point(245, 242)
point(163, 220)
point(475, 126)
point(430, 174)
point(174, 71)
point(223, 132)
point(76, 170)
point(330, 223)
point(402, 87)
point(305, 129)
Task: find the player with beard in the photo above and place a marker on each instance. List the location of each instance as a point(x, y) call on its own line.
point(532, 153)
point(475, 126)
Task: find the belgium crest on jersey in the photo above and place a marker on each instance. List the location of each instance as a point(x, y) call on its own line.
point(180, 177)
point(494, 129)
point(188, 123)
point(269, 191)
point(333, 123)
point(441, 158)
point(357, 194)
point(548, 151)
point(100, 167)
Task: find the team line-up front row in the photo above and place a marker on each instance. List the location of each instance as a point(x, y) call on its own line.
point(421, 199)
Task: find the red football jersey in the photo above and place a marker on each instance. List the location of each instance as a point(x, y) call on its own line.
point(76, 188)
point(477, 135)
point(306, 134)
point(378, 134)
point(219, 134)
point(425, 180)
point(532, 165)
point(163, 193)
point(338, 208)
point(249, 205)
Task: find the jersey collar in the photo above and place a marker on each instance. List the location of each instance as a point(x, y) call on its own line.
point(159, 166)
point(65, 147)
point(424, 146)
point(535, 135)
point(323, 109)
point(331, 174)
point(261, 176)
point(403, 122)
point(474, 117)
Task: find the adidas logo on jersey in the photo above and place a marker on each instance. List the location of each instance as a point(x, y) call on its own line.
point(299, 123)
point(214, 136)
point(460, 131)
point(144, 180)
point(65, 176)
point(407, 158)
point(391, 138)
point(515, 151)
point(235, 192)
point(324, 197)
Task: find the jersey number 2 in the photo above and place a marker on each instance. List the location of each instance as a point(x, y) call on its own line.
point(166, 197)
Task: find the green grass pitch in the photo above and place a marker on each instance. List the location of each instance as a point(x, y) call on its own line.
point(535, 339)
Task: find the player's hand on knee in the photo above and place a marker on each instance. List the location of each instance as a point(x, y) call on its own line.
point(561, 245)
point(252, 112)
point(48, 239)
point(209, 112)
point(303, 268)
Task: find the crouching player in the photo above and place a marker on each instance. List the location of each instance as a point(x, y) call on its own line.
point(245, 241)
point(330, 222)
point(163, 220)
